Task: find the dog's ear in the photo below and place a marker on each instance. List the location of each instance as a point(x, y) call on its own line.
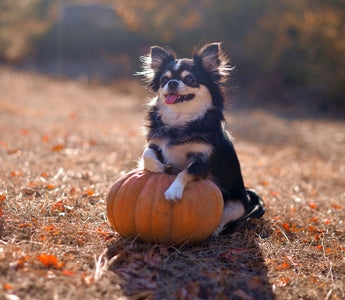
point(160, 57)
point(213, 60)
point(154, 63)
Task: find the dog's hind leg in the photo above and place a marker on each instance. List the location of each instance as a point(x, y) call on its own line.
point(233, 210)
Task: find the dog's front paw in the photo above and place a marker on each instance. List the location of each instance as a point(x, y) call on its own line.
point(154, 166)
point(174, 192)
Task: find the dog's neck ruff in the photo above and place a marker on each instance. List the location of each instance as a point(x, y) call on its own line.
point(205, 128)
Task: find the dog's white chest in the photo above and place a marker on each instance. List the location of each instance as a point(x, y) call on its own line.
point(179, 155)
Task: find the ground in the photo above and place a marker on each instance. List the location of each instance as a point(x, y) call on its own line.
point(64, 143)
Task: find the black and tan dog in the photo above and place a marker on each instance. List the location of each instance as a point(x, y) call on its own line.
point(186, 132)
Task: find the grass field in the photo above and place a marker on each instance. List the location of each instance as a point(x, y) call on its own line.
point(64, 143)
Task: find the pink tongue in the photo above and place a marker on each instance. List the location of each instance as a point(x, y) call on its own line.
point(170, 99)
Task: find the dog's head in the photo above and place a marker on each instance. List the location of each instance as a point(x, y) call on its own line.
point(188, 85)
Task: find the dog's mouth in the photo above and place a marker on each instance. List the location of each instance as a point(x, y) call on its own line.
point(176, 98)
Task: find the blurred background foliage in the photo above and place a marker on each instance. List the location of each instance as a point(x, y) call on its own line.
point(286, 52)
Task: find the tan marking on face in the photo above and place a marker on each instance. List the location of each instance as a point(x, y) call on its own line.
point(168, 74)
point(184, 74)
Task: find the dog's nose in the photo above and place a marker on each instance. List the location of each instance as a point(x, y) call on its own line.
point(173, 84)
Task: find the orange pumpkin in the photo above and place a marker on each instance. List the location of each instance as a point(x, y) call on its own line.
point(136, 207)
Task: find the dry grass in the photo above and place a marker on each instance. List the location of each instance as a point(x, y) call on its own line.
point(63, 143)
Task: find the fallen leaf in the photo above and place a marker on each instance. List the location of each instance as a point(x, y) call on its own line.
point(90, 192)
point(24, 132)
point(335, 206)
point(283, 266)
point(312, 229)
point(164, 251)
point(313, 205)
point(275, 194)
point(57, 148)
point(45, 138)
point(16, 174)
point(242, 295)
point(25, 224)
point(3, 145)
point(50, 261)
point(151, 257)
point(284, 281)
point(8, 286)
point(66, 272)
point(231, 253)
point(286, 226)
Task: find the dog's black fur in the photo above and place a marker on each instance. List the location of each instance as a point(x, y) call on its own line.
point(202, 128)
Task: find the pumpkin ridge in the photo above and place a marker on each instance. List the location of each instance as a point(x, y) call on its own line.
point(123, 191)
point(111, 198)
point(198, 202)
point(154, 209)
point(143, 197)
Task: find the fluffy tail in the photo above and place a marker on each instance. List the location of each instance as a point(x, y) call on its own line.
point(257, 207)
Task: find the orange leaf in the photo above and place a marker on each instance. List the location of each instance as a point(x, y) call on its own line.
point(50, 261)
point(285, 265)
point(49, 186)
point(312, 229)
point(66, 272)
point(2, 197)
point(72, 191)
point(57, 148)
point(336, 206)
point(14, 174)
point(45, 138)
point(7, 286)
point(25, 132)
point(313, 205)
point(3, 145)
point(286, 226)
point(90, 193)
point(274, 194)
point(25, 224)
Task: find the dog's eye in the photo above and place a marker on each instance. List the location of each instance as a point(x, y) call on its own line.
point(164, 80)
point(190, 80)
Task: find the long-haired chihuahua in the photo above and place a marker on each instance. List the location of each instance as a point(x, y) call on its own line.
point(186, 135)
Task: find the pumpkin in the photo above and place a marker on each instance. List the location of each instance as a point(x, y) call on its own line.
point(137, 208)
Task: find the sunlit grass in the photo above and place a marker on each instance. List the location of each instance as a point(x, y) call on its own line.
point(64, 143)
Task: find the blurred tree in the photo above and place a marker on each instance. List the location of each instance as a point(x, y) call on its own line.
point(20, 21)
point(294, 44)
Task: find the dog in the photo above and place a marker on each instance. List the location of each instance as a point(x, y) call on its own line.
point(185, 130)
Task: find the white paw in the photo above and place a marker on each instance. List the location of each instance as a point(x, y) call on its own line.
point(174, 192)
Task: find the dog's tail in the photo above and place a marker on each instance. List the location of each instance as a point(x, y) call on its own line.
point(256, 208)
